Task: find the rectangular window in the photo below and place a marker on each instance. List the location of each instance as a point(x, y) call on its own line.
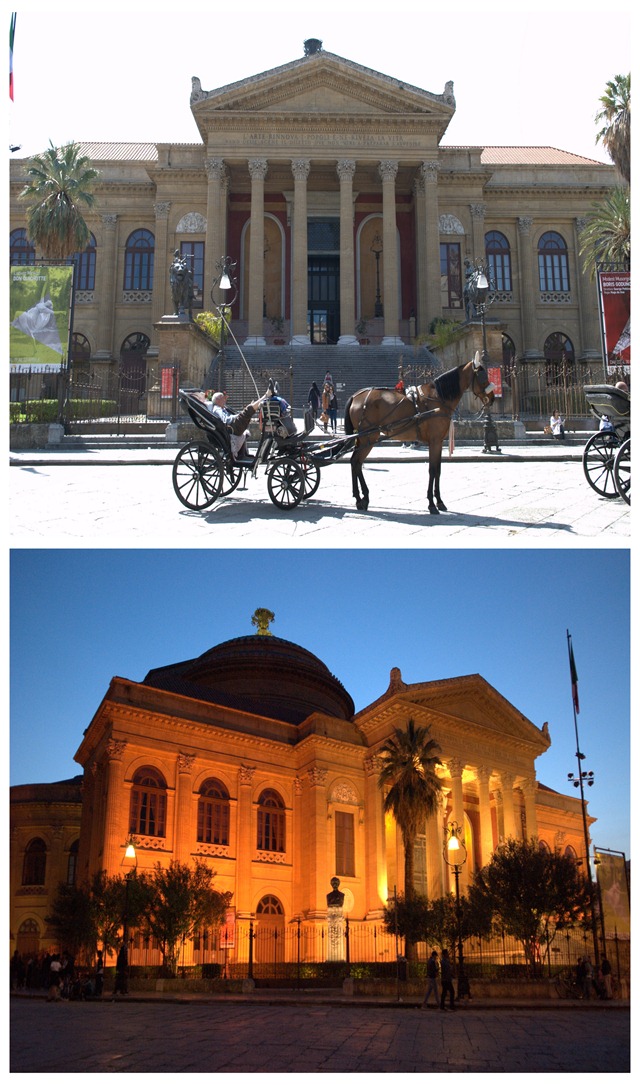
point(193, 253)
point(345, 844)
point(450, 275)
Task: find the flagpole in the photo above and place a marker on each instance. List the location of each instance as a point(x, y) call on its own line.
point(580, 758)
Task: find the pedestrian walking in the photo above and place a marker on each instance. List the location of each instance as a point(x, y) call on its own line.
point(121, 986)
point(314, 400)
point(446, 975)
point(55, 970)
point(433, 969)
point(333, 411)
point(605, 970)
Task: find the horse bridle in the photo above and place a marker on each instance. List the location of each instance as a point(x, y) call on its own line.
point(488, 386)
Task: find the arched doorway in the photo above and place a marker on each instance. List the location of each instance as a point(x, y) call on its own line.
point(269, 931)
point(132, 383)
point(28, 939)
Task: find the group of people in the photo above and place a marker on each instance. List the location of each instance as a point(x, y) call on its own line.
point(57, 974)
point(557, 422)
point(324, 404)
point(588, 982)
point(443, 969)
point(238, 423)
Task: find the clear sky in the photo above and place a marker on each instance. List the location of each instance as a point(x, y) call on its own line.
point(78, 618)
point(523, 78)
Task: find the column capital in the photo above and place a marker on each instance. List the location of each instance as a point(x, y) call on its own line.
point(345, 168)
point(215, 169)
point(525, 222)
point(162, 208)
point(115, 749)
point(455, 766)
point(300, 168)
point(478, 210)
point(246, 774)
point(186, 762)
point(109, 222)
point(429, 172)
point(388, 170)
point(258, 168)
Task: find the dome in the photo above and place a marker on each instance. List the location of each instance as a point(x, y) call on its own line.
point(264, 675)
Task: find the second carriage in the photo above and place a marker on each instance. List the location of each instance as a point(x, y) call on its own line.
point(607, 454)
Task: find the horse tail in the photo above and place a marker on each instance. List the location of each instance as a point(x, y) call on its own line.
point(348, 424)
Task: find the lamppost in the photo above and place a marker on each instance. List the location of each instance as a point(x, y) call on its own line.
point(376, 249)
point(130, 863)
point(579, 779)
point(478, 288)
point(455, 856)
point(225, 280)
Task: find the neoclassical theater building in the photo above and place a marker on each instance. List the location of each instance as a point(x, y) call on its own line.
point(252, 757)
point(348, 218)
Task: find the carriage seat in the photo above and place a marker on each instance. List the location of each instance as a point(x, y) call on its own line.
point(273, 423)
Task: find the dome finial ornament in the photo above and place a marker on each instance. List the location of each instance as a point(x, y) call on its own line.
point(262, 618)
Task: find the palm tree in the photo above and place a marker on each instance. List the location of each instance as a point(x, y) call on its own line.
point(409, 773)
point(616, 115)
point(606, 235)
point(61, 182)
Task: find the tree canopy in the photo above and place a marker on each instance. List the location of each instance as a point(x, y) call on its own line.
point(615, 133)
point(60, 185)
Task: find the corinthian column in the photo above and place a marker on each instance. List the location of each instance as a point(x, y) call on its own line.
point(106, 287)
point(216, 239)
point(300, 335)
point(184, 832)
point(484, 803)
point(429, 300)
point(527, 291)
point(388, 171)
point(245, 837)
point(478, 212)
point(587, 294)
point(346, 168)
point(116, 808)
point(258, 171)
point(160, 275)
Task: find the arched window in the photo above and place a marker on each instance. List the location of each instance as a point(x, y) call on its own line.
point(148, 809)
point(269, 905)
point(138, 261)
point(213, 813)
point(72, 865)
point(34, 867)
point(80, 348)
point(571, 853)
point(86, 266)
point(21, 251)
point(28, 938)
point(553, 263)
point(271, 822)
point(499, 259)
point(542, 844)
point(559, 357)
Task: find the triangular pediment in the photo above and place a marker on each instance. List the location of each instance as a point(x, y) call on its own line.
point(467, 707)
point(324, 84)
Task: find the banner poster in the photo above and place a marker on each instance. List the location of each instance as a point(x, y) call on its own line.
point(228, 929)
point(614, 288)
point(612, 883)
point(494, 374)
point(40, 298)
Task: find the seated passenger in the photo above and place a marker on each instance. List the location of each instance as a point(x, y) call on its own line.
point(236, 423)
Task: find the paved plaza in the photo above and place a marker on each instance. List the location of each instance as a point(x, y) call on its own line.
point(313, 1038)
point(522, 498)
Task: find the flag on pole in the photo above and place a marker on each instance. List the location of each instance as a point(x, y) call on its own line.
point(574, 678)
point(12, 34)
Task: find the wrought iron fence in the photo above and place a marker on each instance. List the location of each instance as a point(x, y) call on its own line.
point(302, 953)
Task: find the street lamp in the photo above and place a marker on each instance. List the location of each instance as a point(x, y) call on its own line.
point(130, 863)
point(225, 280)
point(376, 249)
point(455, 856)
point(478, 289)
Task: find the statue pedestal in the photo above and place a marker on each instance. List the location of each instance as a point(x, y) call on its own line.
point(181, 342)
point(335, 935)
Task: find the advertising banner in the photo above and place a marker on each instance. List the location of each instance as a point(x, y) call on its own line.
point(494, 374)
point(614, 288)
point(40, 299)
point(612, 883)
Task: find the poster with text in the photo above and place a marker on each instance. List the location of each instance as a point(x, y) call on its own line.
point(614, 288)
point(40, 298)
point(612, 883)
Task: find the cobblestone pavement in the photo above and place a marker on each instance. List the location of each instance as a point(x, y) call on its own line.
point(495, 501)
point(129, 1037)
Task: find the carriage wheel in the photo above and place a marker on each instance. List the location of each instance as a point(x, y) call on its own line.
point(598, 461)
point(622, 471)
point(286, 483)
point(311, 473)
point(197, 475)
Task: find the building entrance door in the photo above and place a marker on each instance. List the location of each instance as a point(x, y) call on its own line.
point(324, 299)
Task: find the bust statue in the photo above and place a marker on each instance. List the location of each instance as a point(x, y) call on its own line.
point(335, 899)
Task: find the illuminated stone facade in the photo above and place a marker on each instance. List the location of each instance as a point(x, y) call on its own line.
point(251, 756)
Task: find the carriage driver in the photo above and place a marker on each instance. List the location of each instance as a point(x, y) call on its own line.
point(236, 423)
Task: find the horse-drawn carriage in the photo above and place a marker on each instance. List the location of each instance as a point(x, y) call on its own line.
point(206, 469)
point(607, 454)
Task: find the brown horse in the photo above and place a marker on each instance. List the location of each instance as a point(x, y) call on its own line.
point(377, 413)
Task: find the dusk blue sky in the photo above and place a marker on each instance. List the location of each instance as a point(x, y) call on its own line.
point(79, 617)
